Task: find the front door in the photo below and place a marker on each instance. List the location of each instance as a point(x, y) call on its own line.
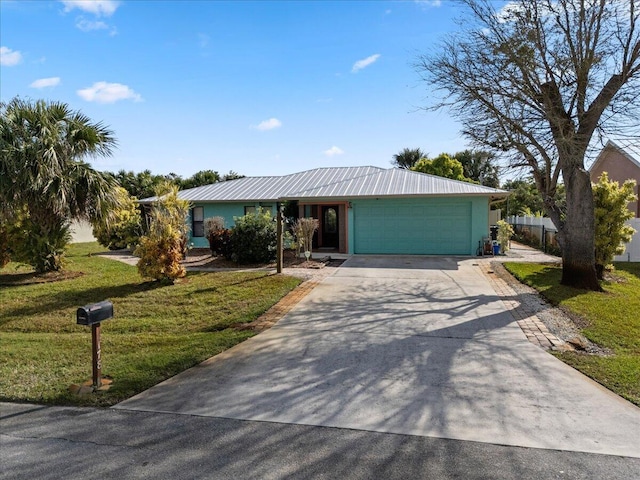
point(330, 236)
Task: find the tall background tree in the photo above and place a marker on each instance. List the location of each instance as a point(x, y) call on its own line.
point(480, 166)
point(443, 166)
point(44, 182)
point(144, 184)
point(203, 177)
point(525, 198)
point(140, 185)
point(407, 158)
point(535, 81)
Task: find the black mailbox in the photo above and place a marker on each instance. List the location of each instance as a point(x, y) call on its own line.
point(94, 313)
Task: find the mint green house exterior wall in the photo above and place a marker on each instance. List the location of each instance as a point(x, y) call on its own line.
point(227, 211)
point(418, 226)
point(409, 225)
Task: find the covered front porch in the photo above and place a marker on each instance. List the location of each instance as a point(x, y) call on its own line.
point(332, 233)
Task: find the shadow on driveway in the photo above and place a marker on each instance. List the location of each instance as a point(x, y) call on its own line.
point(428, 352)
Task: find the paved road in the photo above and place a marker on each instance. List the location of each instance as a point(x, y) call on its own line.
point(408, 345)
point(50, 443)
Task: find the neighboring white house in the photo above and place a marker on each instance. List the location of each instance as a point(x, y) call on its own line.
point(81, 231)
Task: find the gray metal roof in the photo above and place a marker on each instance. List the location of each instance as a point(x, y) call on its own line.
point(333, 182)
point(272, 188)
point(395, 182)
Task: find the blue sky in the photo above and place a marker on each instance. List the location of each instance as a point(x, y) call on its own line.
point(261, 88)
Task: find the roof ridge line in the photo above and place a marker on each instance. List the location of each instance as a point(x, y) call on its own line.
point(297, 192)
point(623, 151)
point(454, 180)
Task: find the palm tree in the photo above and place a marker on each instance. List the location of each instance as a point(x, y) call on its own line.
point(44, 182)
point(407, 158)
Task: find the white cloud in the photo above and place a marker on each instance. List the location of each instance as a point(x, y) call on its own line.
point(429, 3)
point(45, 82)
point(9, 58)
point(333, 151)
point(88, 25)
point(92, 25)
point(268, 124)
point(103, 92)
point(508, 10)
point(365, 62)
point(96, 7)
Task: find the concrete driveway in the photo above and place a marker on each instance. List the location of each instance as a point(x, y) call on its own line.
point(409, 345)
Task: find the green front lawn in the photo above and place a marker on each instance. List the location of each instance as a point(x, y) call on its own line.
point(157, 330)
point(611, 318)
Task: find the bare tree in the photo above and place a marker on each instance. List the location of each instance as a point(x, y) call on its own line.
point(538, 81)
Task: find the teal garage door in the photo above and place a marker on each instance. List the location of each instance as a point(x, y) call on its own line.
point(416, 227)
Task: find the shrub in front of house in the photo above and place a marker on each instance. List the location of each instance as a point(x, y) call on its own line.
point(163, 248)
point(27, 240)
point(253, 238)
point(505, 233)
point(611, 211)
point(219, 237)
point(123, 228)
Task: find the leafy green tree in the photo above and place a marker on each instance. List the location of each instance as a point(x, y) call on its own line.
point(407, 158)
point(143, 184)
point(231, 176)
point(443, 166)
point(163, 248)
point(124, 228)
point(525, 198)
point(140, 185)
point(611, 212)
point(44, 178)
point(203, 177)
point(480, 166)
point(534, 82)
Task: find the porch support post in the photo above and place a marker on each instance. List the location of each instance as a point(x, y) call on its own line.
point(279, 242)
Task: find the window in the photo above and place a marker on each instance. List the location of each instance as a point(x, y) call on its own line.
point(197, 218)
point(248, 210)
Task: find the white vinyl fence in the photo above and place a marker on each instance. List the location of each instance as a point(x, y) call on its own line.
point(632, 250)
point(544, 230)
point(537, 231)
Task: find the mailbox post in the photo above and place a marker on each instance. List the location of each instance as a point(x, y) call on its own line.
point(92, 315)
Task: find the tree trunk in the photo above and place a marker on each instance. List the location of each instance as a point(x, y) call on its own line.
point(578, 232)
point(600, 271)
